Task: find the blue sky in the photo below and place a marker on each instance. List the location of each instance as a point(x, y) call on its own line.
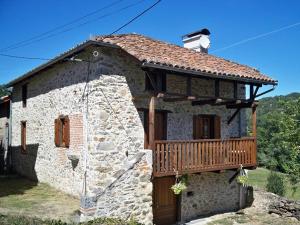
point(229, 21)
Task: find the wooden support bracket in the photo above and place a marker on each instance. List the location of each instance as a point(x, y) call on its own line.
point(233, 115)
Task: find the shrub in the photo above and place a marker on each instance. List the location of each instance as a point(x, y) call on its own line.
point(276, 183)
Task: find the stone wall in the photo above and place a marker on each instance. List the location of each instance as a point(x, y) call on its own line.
point(209, 193)
point(106, 132)
point(4, 121)
point(54, 92)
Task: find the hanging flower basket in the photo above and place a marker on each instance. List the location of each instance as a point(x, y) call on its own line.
point(180, 184)
point(242, 178)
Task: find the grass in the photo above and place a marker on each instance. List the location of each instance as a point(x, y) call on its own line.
point(258, 178)
point(22, 220)
point(19, 196)
point(255, 219)
point(25, 202)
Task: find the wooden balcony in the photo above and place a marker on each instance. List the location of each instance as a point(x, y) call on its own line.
point(202, 155)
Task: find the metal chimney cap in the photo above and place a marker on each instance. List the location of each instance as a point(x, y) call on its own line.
point(203, 31)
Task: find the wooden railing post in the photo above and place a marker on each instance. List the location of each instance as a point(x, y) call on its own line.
point(254, 132)
point(254, 120)
point(152, 123)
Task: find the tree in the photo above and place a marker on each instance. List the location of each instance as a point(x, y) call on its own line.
point(3, 91)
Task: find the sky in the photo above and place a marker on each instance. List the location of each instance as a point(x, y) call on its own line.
point(229, 22)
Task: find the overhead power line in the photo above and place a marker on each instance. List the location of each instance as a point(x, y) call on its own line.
point(22, 57)
point(118, 29)
point(136, 17)
point(75, 27)
point(256, 37)
point(61, 26)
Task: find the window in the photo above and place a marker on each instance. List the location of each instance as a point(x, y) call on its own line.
point(24, 95)
point(23, 136)
point(159, 79)
point(62, 132)
point(206, 127)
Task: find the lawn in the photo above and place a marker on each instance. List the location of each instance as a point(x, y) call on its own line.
point(258, 178)
point(19, 196)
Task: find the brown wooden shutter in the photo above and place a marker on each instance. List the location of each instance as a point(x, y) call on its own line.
point(197, 127)
point(23, 137)
point(56, 132)
point(217, 127)
point(66, 132)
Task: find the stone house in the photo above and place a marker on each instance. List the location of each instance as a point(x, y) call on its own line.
point(4, 133)
point(116, 118)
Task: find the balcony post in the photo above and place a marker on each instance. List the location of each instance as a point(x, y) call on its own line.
point(152, 122)
point(254, 121)
point(254, 132)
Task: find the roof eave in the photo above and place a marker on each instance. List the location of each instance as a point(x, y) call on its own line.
point(208, 74)
point(59, 58)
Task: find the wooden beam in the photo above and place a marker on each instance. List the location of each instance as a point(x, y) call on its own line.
point(233, 115)
point(152, 122)
point(247, 104)
point(152, 80)
point(205, 102)
point(226, 102)
point(254, 120)
point(265, 92)
point(235, 84)
point(255, 92)
point(217, 88)
point(251, 92)
point(216, 101)
point(188, 86)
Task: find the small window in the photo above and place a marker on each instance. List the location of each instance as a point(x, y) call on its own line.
point(62, 132)
point(24, 95)
point(206, 127)
point(23, 136)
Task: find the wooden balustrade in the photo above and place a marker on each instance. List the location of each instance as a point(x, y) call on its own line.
point(202, 155)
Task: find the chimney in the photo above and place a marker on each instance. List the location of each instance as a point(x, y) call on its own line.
point(198, 40)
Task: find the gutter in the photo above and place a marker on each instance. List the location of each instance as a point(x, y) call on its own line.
point(207, 74)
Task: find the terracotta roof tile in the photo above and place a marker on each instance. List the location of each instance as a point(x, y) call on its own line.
point(153, 51)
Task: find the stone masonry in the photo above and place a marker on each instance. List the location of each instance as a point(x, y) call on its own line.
point(209, 193)
point(113, 173)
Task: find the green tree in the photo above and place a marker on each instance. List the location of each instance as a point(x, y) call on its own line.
point(3, 91)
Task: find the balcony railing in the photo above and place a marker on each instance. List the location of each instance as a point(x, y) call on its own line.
point(196, 156)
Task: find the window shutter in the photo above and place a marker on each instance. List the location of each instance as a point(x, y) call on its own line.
point(217, 127)
point(56, 132)
point(67, 131)
point(23, 137)
point(197, 127)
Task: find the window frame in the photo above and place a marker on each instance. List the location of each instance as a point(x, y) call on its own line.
point(62, 132)
point(215, 126)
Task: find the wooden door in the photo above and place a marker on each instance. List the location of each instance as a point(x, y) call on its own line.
point(165, 201)
point(160, 127)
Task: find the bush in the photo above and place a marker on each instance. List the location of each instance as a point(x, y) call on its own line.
point(276, 183)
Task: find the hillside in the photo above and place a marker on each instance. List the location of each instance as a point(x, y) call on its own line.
point(278, 132)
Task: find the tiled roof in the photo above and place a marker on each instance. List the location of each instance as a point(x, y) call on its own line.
point(161, 53)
